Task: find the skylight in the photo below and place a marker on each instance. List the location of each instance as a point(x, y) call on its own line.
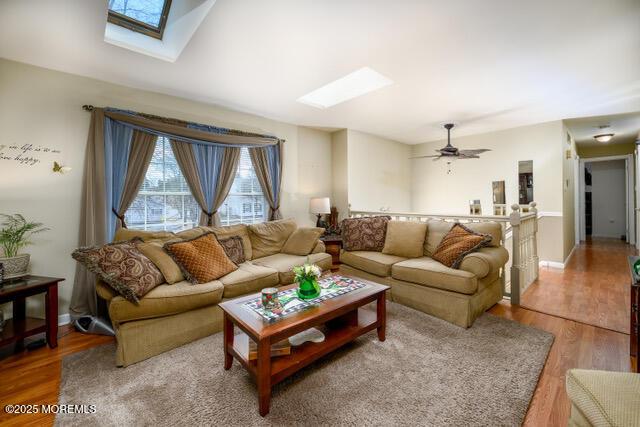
point(351, 86)
point(148, 17)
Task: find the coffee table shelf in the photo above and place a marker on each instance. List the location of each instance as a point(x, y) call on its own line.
point(307, 353)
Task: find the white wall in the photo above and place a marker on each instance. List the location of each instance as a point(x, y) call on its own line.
point(339, 153)
point(608, 198)
point(379, 173)
point(569, 188)
point(43, 108)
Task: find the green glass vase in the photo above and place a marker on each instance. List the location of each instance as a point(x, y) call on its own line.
point(308, 289)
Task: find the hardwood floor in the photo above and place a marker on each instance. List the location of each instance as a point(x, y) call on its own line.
point(593, 288)
point(33, 377)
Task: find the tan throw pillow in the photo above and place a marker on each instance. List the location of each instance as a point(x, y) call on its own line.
point(459, 242)
point(302, 241)
point(405, 239)
point(436, 230)
point(192, 233)
point(364, 234)
point(235, 230)
point(233, 248)
point(201, 259)
point(268, 238)
point(122, 266)
point(155, 251)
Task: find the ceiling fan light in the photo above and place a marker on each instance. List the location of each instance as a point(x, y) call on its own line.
point(605, 137)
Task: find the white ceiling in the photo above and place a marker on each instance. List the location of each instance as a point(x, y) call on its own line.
point(626, 128)
point(490, 64)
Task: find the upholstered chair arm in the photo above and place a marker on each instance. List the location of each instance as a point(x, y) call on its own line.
point(485, 261)
point(104, 291)
point(319, 248)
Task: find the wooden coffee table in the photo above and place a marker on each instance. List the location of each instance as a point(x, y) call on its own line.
point(341, 319)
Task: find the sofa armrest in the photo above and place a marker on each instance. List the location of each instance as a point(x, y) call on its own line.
point(104, 291)
point(485, 261)
point(320, 248)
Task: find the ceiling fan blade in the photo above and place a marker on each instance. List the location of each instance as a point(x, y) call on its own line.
point(474, 152)
point(424, 157)
point(468, 156)
point(437, 158)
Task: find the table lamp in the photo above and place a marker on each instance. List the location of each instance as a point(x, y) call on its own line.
point(319, 206)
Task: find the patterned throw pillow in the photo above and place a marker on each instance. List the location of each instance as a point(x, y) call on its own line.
point(201, 259)
point(364, 234)
point(123, 267)
point(234, 249)
point(457, 243)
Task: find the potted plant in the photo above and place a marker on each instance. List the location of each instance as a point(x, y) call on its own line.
point(14, 235)
point(306, 276)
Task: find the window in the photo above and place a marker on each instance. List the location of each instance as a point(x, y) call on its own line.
point(245, 203)
point(148, 17)
point(164, 201)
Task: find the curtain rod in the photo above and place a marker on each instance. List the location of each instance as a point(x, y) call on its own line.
point(88, 107)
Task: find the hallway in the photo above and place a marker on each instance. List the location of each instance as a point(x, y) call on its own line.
point(593, 288)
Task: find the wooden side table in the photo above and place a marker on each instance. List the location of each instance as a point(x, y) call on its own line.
point(20, 326)
point(333, 244)
point(634, 309)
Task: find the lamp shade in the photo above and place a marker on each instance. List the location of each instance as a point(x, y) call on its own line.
point(319, 205)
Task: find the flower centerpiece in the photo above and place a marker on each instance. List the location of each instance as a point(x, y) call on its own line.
point(306, 276)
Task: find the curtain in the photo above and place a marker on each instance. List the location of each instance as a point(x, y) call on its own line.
point(93, 216)
point(267, 162)
point(209, 171)
point(141, 151)
point(117, 146)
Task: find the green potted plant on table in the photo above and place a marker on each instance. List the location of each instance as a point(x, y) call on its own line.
point(306, 276)
point(14, 235)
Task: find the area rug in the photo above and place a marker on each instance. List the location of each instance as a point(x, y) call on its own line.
point(427, 372)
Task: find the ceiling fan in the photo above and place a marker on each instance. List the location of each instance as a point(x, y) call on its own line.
point(451, 152)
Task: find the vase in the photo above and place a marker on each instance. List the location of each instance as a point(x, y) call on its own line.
point(16, 266)
point(308, 289)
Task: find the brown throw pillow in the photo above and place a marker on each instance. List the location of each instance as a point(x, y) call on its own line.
point(233, 248)
point(201, 259)
point(122, 266)
point(457, 243)
point(364, 234)
point(302, 241)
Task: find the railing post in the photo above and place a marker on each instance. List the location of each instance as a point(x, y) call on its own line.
point(536, 260)
point(514, 219)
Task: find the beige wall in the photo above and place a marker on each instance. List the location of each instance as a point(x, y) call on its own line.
point(606, 150)
point(568, 192)
point(435, 191)
point(379, 173)
point(43, 107)
point(340, 176)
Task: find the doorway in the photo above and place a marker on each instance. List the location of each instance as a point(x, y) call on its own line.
point(606, 198)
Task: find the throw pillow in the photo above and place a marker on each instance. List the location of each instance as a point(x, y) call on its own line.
point(302, 241)
point(459, 242)
point(233, 248)
point(128, 234)
point(235, 230)
point(122, 266)
point(268, 238)
point(364, 234)
point(201, 259)
point(155, 251)
point(405, 238)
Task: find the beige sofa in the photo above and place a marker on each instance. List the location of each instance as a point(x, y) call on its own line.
point(455, 295)
point(171, 315)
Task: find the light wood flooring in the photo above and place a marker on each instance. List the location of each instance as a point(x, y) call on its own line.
point(34, 377)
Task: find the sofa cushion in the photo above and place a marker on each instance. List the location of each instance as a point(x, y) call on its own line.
point(302, 241)
point(154, 250)
point(405, 238)
point(126, 234)
point(191, 233)
point(457, 243)
point(485, 261)
point(429, 272)
point(492, 228)
point(372, 262)
point(436, 230)
point(241, 230)
point(605, 398)
point(165, 300)
point(122, 266)
point(248, 278)
point(364, 234)
point(233, 248)
point(201, 259)
point(284, 263)
point(268, 238)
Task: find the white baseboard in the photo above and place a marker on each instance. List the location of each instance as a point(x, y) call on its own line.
point(64, 319)
point(552, 264)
